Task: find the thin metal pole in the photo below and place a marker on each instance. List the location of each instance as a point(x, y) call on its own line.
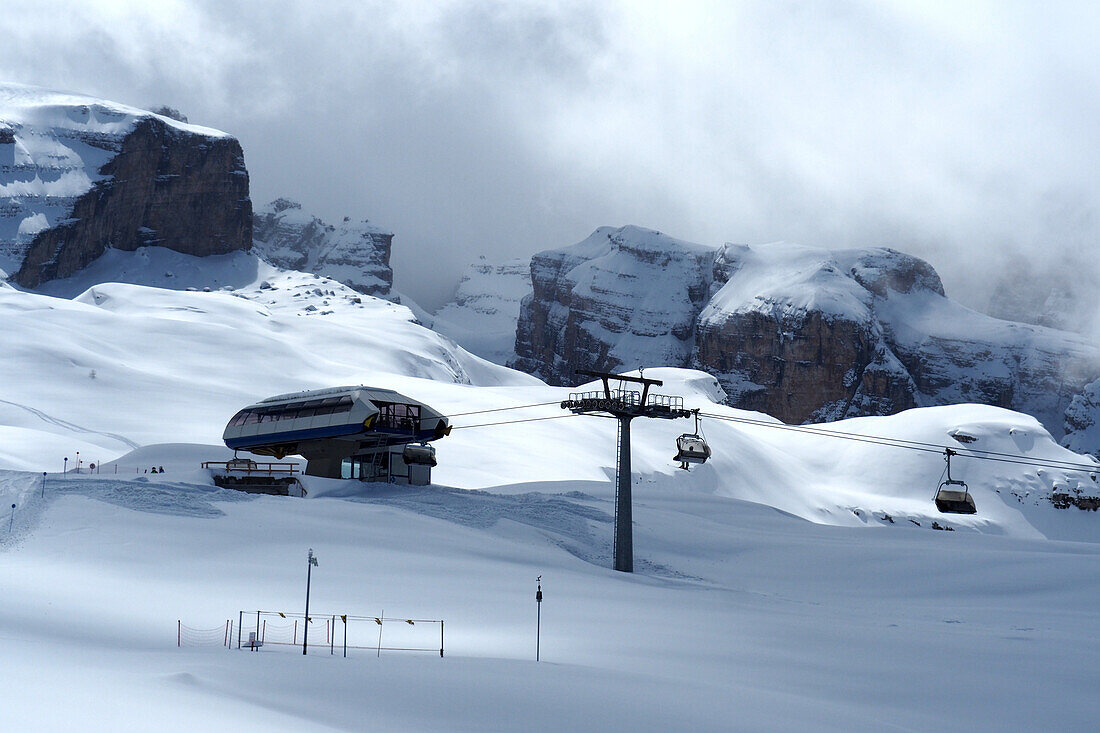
point(624, 530)
point(345, 636)
point(43, 484)
point(240, 627)
point(305, 632)
point(440, 638)
point(380, 620)
point(179, 625)
point(257, 637)
point(230, 644)
point(332, 638)
point(11, 522)
point(263, 634)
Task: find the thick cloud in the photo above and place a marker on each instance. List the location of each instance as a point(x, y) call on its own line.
point(967, 136)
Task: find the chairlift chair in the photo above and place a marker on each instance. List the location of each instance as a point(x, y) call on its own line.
point(952, 500)
point(420, 454)
point(692, 447)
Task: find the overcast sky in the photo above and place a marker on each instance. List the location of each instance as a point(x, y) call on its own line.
point(967, 133)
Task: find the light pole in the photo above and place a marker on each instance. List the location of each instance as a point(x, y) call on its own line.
point(538, 617)
point(309, 573)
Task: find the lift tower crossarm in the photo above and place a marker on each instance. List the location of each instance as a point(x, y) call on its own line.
point(625, 406)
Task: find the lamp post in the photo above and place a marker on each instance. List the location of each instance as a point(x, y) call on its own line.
point(309, 573)
point(538, 617)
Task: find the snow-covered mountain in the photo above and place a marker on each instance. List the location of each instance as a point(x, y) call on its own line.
point(801, 333)
point(483, 314)
point(79, 175)
point(353, 252)
point(124, 585)
point(622, 298)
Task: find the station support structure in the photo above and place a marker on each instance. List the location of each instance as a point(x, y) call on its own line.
point(624, 405)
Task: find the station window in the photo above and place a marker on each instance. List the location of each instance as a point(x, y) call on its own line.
point(397, 416)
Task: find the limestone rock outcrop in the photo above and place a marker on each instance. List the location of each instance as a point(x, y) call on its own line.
point(79, 175)
point(355, 253)
point(805, 334)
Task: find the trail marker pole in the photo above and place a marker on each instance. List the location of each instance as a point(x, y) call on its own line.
point(345, 617)
point(11, 522)
point(43, 484)
point(538, 622)
point(65, 469)
point(309, 573)
point(240, 627)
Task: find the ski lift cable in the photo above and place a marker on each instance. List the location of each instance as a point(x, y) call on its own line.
point(916, 445)
point(511, 422)
point(503, 409)
point(971, 452)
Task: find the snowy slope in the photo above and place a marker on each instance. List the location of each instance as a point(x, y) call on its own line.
point(741, 610)
point(122, 365)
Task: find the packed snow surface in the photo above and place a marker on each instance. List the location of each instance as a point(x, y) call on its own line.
point(794, 582)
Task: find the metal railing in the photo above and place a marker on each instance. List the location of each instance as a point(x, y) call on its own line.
point(252, 468)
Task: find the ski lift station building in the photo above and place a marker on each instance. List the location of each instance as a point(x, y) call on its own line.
point(365, 433)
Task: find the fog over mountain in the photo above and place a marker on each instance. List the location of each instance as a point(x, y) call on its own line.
point(964, 135)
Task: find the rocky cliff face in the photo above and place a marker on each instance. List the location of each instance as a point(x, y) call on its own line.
point(802, 333)
point(621, 298)
point(484, 312)
point(79, 175)
point(355, 253)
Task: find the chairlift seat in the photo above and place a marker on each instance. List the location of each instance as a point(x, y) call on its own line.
point(691, 448)
point(419, 455)
point(952, 500)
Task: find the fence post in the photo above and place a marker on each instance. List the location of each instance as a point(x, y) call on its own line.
point(263, 634)
point(332, 638)
point(295, 632)
point(440, 638)
point(345, 617)
point(226, 642)
point(179, 625)
point(240, 627)
point(230, 644)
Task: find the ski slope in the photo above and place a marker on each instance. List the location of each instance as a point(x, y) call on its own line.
point(772, 592)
